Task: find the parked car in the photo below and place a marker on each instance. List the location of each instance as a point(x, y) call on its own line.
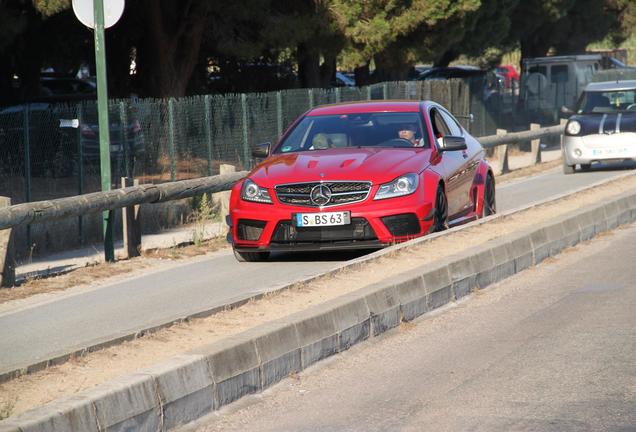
point(509, 74)
point(342, 80)
point(550, 82)
point(603, 127)
point(442, 73)
point(360, 175)
point(53, 139)
point(63, 88)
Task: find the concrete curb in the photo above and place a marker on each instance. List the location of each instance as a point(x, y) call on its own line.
point(189, 386)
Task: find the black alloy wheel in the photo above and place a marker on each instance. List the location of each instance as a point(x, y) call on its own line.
point(250, 256)
point(440, 221)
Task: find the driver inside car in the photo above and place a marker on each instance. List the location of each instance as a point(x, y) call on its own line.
point(407, 132)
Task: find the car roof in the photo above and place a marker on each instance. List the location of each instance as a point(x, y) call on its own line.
point(611, 85)
point(367, 107)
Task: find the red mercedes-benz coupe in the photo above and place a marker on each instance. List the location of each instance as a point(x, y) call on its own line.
point(360, 175)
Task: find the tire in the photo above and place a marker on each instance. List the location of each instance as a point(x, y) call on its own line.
point(440, 220)
point(250, 256)
point(568, 169)
point(489, 204)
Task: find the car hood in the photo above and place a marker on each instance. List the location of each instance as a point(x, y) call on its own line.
point(364, 164)
point(606, 123)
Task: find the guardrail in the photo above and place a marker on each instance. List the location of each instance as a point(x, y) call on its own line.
point(128, 197)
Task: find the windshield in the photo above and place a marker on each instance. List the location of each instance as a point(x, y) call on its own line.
point(315, 133)
point(607, 102)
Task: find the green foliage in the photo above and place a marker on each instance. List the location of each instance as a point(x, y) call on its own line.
point(52, 7)
point(204, 210)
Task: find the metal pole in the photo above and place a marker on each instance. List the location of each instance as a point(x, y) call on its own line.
point(27, 163)
point(208, 130)
point(385, 91)
point(246, 151)
point(171, 152)
point(279, 112)
point(80, 169)
point(337, 94)
point(310, 94)
point(102, 109)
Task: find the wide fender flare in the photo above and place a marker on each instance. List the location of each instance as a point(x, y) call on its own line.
point(431, 180)
point(478, 187)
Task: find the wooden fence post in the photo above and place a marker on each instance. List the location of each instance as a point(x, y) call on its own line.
point(7, 261)
point(223, 198)
point(131, 223)
point(502, 154)
point(535, 146)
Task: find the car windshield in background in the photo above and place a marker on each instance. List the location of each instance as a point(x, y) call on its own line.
point(607, 102)
point(355, 130)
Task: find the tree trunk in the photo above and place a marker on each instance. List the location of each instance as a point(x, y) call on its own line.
point(363, 77)
point(169, 52)
point(308, 66)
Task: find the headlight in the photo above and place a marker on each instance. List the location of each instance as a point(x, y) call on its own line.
point(253, 192)
point(403, 185)
point(573, 127)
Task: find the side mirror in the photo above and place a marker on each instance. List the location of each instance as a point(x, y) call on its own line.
point(567, 111)
point(453, 143)
point(261, 150)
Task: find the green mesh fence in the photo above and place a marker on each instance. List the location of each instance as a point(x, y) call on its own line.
point(51, 151)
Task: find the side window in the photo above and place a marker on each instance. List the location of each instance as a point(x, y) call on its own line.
point(454, 128)
point(440, 129)
point(559, 74)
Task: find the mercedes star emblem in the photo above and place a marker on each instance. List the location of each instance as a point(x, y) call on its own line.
point(320, 195)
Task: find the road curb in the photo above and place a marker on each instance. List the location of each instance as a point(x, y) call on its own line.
point(188, 386)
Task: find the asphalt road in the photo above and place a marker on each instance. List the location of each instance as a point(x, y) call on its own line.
point(43, 329)
point(549, 349)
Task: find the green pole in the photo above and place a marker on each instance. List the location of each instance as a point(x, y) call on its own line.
point(385, 91)
point(368, 92)
point(102, 111)
point(337, 94)
point(171, 151)
point(80, 169)
point(279, 112)
point(310, 95)
point(27, 163)
point(246, 150)
point(208, 130)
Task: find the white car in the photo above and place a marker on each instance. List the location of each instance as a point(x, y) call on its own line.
point(603, 126)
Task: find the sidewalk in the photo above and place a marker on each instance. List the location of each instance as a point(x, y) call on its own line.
point(62, 262)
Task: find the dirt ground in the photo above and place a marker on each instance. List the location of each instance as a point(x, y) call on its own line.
point(33, 390)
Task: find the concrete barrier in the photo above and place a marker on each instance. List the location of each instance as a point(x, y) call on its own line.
point(188, 386)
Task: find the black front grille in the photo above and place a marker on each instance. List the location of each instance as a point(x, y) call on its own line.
point(358, 229)
point(402, 224)
point(250, 230)
point(341, 193)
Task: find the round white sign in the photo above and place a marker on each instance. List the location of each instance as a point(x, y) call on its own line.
point(113, 9)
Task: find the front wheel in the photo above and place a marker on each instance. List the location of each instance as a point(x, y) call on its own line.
point(489, 204)
point(250, 256)
point(440, 222)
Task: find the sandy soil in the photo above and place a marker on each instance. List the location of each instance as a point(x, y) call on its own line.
point(36, 389)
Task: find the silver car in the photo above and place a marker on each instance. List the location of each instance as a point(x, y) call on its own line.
point(603, 127)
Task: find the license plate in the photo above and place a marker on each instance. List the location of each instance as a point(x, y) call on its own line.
point(609, 151)
point(322, 219)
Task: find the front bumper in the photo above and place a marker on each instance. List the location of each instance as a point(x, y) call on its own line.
point(599, 147)
point(374, 224)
